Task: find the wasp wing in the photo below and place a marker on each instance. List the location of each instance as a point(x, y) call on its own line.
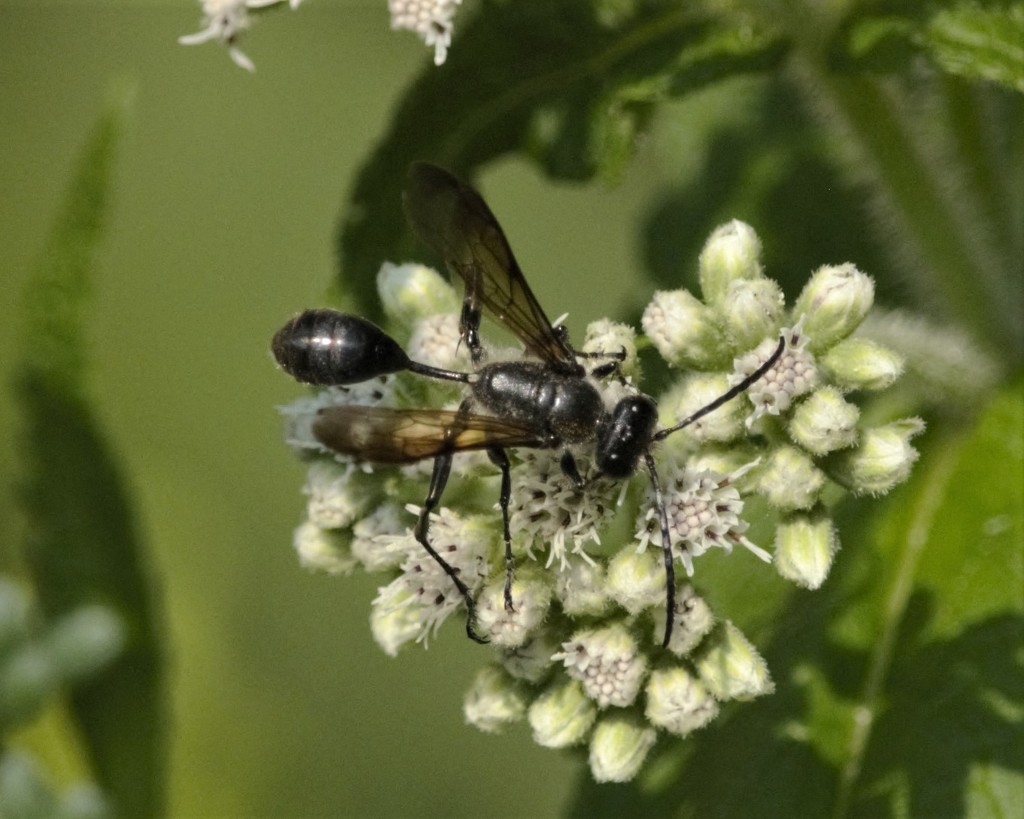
point(402, 436)
point(453, 220)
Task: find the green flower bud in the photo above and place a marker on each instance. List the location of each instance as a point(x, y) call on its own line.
point(684, 330)
point(834, 303)
point(368, 545)
point(611, 338)
point(618, 748)
point(83, 801)
point(637, 581)
point(727, 462)
point(531, 596)
point(824, 422)
point(532, 661)
point(24, 792)
point(804, 548)
point(323, 550)
point(435, 341)
point(84, 641)
point(883, 459)
point(753, 310)
point(412, 291)
point(581, 588)
point(790, 480)
point(694, 393)
point(335, 501)
point(731, 253)
point(393, 625)
point(608, 662)
point(693, 621)
point(679, 702)
point(730, 666)
point(862, 364)
point(562, 716)
point(494, 700)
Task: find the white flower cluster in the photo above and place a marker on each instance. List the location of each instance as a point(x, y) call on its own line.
point(224, 21)
point(430, 19)
point(578, 655)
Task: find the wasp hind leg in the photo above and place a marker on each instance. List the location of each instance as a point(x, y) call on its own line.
point(438, 481)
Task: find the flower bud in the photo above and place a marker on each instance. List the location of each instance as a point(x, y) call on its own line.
point(862, 364)
point(637, 581)
point(618, 748)
point(28, 676)
point(611, 338)
point(804, 548)
point(834, 303)
point(753, 310)
point(372, 535)
point(790, 480)
point(24, 790)
point(824, 422)
point(731, 253)
point(493, 700)
point(562, 716)
point(334, 500)
point(85, 640)
point(323, 550)
point(883, 459)
point(679, 702)
point(581, 588)
point(693, 621)
point(608, 662)
point(532, 661)
point(729, 461)
point(531, 597)
point(730, 666)
point(683, 330)
point(413, 291)
point(793, 374)
point(435, 341)
point(693, 394)
point(393, 625)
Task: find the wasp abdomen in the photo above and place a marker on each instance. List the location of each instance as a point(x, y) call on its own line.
point(330, 348)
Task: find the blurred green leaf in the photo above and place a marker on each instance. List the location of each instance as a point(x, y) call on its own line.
point(82, 546)
point(899, 683)
point(977, 42)
point(556, 80)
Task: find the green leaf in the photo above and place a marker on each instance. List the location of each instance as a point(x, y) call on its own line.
point(82, 546)
point(968, 39)
point(898, 684)
point(557, 80)
point(981, 43)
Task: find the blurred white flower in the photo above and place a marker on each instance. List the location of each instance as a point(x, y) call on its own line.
point(430, 19)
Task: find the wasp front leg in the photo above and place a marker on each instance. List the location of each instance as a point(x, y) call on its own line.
point(500, 459)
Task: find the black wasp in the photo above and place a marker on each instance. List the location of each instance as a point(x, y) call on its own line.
point(545, 400)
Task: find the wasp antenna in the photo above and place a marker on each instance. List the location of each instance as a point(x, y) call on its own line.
point(744, 385)
point(666, 548)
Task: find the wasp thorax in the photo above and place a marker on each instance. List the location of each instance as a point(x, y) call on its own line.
point(331, 348)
